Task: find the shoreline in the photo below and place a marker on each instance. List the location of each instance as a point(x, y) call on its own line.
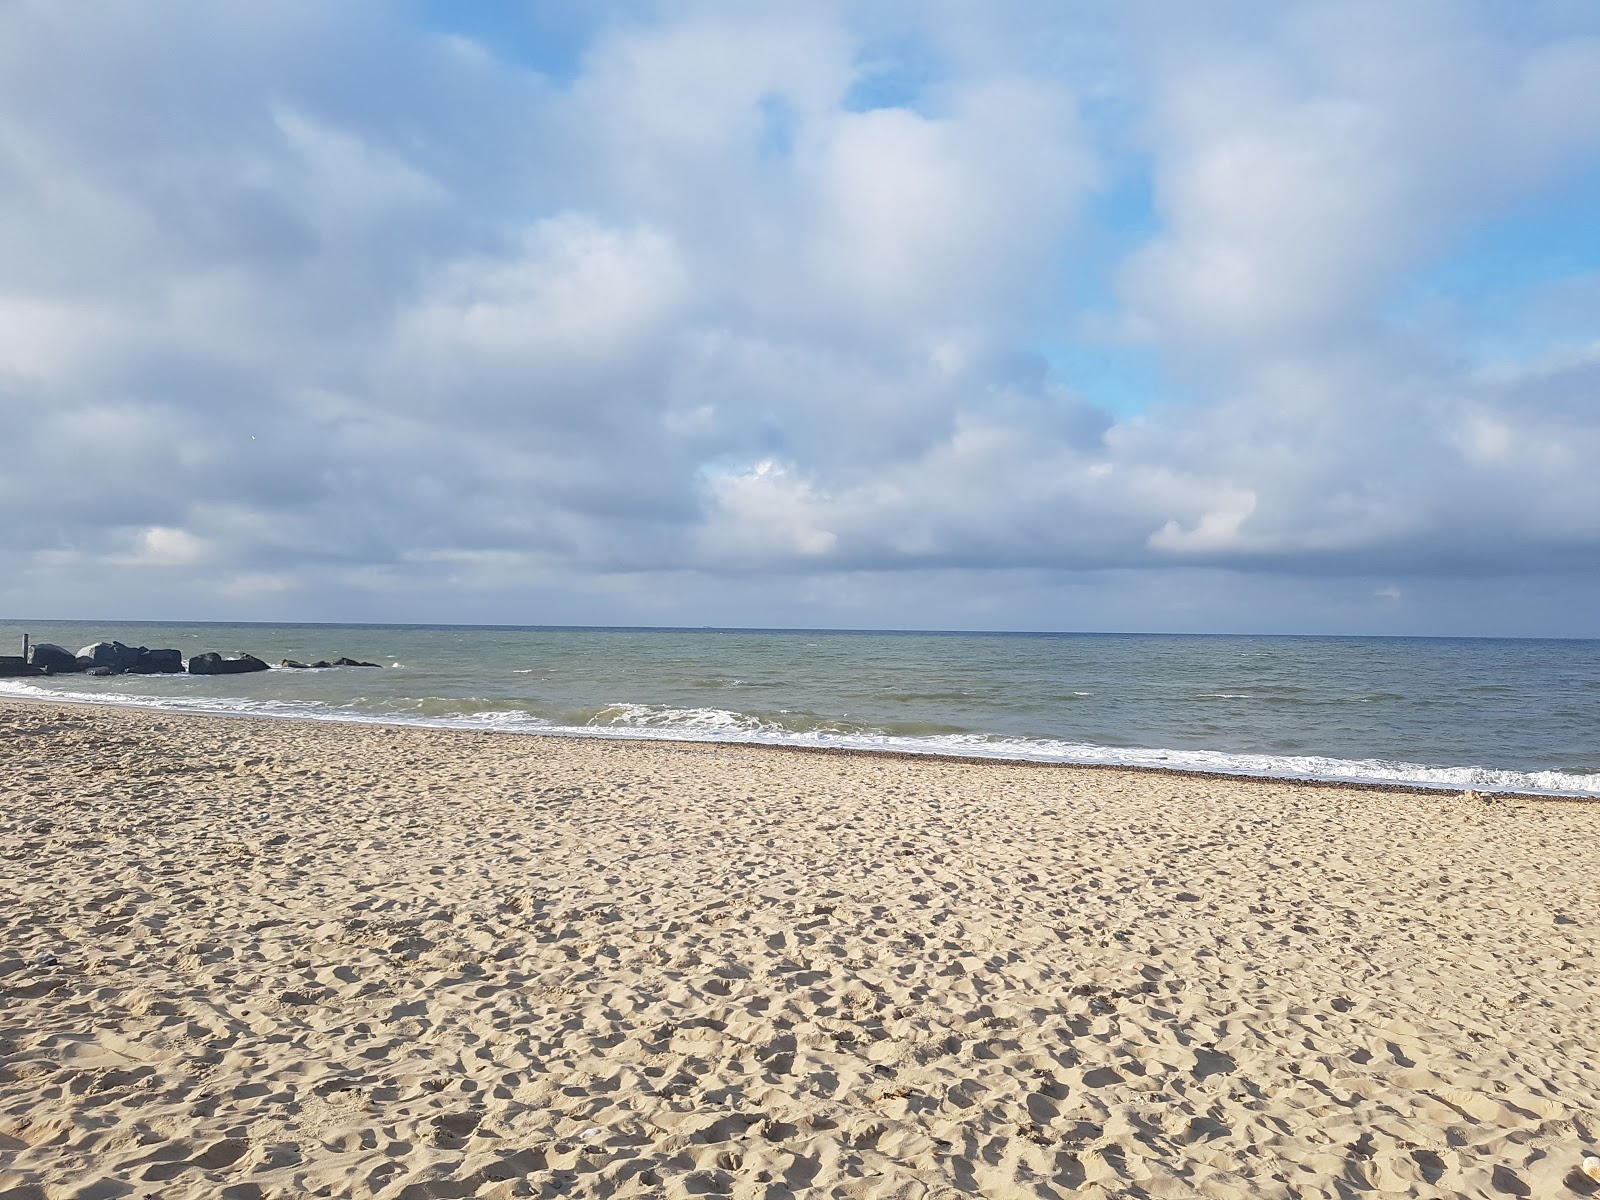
point(1489, 792)
point(260, 958)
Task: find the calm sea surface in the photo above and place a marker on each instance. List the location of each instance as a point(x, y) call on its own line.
point(1452, 712)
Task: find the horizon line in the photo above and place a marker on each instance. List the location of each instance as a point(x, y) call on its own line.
point(806, 629)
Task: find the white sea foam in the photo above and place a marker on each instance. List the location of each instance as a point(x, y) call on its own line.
point(661, 722)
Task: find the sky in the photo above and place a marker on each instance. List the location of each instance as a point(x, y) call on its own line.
point(1228, 316)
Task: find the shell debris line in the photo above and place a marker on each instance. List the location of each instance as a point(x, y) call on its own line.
point(255, 959)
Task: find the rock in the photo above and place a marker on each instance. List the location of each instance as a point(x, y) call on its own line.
point(109, 654)
point(99, 672)
point(322, 662)
point(350, 662)
point(158, 662)
point(13, 665)
point(215, 664)
point(58, 660)
point(298, 666)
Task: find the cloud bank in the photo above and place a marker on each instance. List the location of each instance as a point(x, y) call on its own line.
point(730, 313)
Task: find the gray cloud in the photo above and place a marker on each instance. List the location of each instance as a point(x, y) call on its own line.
point(306, 312)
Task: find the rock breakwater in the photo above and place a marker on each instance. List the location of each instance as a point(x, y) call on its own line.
point(115, 658)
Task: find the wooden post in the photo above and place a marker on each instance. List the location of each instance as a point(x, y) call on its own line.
point(24, 649)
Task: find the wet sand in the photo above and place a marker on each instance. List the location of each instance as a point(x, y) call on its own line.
point(251, 958)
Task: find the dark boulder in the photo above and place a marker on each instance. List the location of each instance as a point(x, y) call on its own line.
point(298, 666)
point(14, 665)
point(350, 662)
point(158, 662)
point(322, 662)
point(100, 672)
point(215, 664)
point(58, 660)
point(109, 654)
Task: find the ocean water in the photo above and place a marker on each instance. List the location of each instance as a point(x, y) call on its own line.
point(1445, 712)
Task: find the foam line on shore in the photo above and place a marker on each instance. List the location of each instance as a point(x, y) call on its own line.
point(1397, 776)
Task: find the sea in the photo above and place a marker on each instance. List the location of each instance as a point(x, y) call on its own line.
point(1451, 713)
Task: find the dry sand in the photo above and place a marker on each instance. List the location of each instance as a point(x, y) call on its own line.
point(244, 958)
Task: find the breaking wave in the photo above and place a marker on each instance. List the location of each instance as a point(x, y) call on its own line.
point(794, 728)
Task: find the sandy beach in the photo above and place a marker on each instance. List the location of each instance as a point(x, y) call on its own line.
point(278, 959)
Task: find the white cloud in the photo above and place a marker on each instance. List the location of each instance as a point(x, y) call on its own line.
point(349, 181)
point(765, 514)
point(253, 584)
point(573, 295)
point(1216, 530)
point(443, 324)
point(41, 338)
point(1300, 172)
point(159, 546)
point(942, 217)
